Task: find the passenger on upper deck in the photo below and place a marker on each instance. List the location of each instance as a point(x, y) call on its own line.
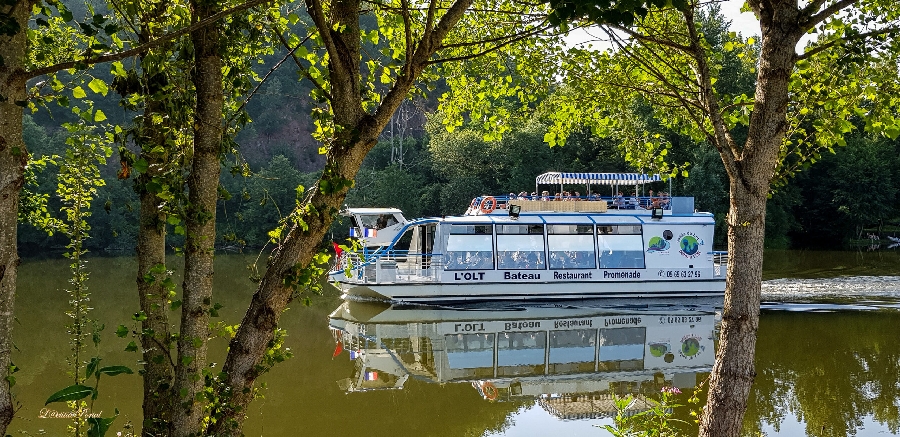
point(654, 201)
point(633, 203)
point(619, 201)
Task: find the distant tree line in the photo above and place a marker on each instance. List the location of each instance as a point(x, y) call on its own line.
point(845, 197)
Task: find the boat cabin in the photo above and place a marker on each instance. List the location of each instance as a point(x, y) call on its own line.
point(526, 247)
point(375, 226)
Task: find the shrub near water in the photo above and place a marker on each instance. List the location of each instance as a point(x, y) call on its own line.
point(657, 421)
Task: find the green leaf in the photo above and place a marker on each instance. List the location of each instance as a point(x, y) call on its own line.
point(78, 92)
point(70, 393)
point(100, 425)
point(118, 69)
point(132, 347)
point(139, 316)
point(293, 18)
point(141, 165)
point(115, 370)
point(121, 331)
point(98, 86)
point(99, 115)
point(175, 304)
point(95, 361)
point(154, 187)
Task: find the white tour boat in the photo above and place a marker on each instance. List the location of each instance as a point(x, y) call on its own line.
point(538, 247)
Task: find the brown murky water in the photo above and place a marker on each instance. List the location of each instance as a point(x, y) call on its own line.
point(828, 360)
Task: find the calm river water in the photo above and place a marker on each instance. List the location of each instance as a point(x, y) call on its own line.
point(828, 358)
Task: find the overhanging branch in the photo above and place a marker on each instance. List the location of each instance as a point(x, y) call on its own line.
point(143, 47)
point(830, 44)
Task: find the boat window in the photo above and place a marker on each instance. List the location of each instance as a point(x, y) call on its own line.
point(469, 248)
point(570, 229)
point(471, 229)
point(620, 247)
point(520, 247)
point(572, 351)
point(377, 221)
point(470, 355)
point(622, 348)
point(520, 229)
point(571, 246)
point(619, 229)
point(521, 353)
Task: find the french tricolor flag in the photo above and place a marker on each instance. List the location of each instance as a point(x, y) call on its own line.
point(366, 233)
point(371, 376)
point(354, 355)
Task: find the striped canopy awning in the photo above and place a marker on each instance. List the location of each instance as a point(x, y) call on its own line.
point(557, 178)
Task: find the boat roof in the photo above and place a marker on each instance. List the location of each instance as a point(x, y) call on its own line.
point(372, 211)
point(557, 178)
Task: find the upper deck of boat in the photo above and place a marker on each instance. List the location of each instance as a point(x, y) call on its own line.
point(597, 210)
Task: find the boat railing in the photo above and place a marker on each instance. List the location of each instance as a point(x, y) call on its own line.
point(720, 262)
point(486, 204)
point(384, 266)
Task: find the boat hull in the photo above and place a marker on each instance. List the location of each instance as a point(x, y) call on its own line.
point(436, 292)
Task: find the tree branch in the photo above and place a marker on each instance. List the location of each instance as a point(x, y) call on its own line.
point(482, 42)
point(314, 8)
point(816, 18)
point(266, 77)
point(407, 27)
point(647, 38)
point(678, 92)
point(830, 44)
point(303, 70)
point(722, 139)
point(430, 44)
point(144, 47)
point(516, 38)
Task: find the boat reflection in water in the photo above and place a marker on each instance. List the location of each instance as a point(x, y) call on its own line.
point(574, 359)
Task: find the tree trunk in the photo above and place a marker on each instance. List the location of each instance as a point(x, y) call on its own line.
point(750, 175)
point(203, 186)
point(154, 299)
point(357, 133)
point(734, 371)
point(13, 157)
